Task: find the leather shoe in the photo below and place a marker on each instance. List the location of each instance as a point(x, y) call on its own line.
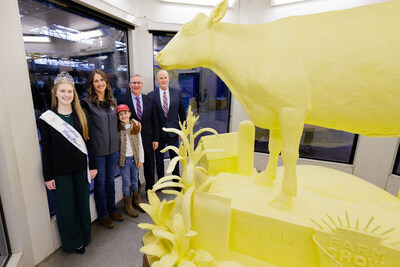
point(117, 216)
point(107, 223)
point(80, 250)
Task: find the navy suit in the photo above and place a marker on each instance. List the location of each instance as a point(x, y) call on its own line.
point(176, 113)
point(150, 132)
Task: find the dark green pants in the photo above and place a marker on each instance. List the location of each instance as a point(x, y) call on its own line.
point(71, 198)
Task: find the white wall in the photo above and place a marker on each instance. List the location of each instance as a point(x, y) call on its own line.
point(309, 7)
point(33, 235)
point(21, 183)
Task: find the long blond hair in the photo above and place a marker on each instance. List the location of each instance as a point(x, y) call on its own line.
point(76, 106)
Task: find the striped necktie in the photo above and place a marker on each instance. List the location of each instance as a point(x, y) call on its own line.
point(138, 108)
point(165, 105)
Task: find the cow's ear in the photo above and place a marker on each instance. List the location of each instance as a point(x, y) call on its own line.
point(218, 13)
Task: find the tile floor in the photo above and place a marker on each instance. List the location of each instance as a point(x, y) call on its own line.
point(118, 247)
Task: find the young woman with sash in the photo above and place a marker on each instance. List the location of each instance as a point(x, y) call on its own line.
point(65, 149)
point(101, 108)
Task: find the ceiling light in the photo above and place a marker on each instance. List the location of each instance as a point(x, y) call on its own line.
point(231, 3)
point(91, 34)
point(37, 39)
point(284, 2)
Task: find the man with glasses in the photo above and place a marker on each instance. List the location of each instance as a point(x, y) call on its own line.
point(144, 110)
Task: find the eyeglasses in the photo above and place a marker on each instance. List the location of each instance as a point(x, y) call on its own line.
point(135, 83)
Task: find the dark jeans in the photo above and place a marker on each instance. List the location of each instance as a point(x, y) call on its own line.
point(104, 186)
point(130, 176)
point(72, 209)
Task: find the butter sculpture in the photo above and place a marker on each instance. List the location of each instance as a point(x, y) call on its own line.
point(225, 219)
point(338, 70)
point(167, 243)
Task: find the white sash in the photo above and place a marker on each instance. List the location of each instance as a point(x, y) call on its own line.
point(67, 131)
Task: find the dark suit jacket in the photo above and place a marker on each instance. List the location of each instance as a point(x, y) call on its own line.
point(176, 108)
point(150, 126)
point(59, 156)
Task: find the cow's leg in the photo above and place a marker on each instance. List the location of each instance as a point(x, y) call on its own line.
point(291, 122)
point(268, 176)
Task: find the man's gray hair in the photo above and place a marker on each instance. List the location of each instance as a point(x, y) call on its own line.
point(135, 75)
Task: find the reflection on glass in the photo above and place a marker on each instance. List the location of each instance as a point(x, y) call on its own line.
point(58, 40)
point(201, 88)
point(317, 143)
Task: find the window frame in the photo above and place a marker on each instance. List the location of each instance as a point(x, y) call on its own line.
point(396, 162)
point(85, 11)
point(6, 238)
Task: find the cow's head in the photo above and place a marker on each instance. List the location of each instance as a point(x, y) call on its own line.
point(192, 45)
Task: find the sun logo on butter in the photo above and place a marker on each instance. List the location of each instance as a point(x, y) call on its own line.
point(342, 242)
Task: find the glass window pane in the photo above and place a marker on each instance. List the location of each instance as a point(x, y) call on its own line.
point(201, 88)
point(317, 143)
point(57, 39)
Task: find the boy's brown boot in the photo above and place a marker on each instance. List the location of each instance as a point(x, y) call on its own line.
point(117, 216)
point(128, 206)
point(107, 223)
point(137, 200)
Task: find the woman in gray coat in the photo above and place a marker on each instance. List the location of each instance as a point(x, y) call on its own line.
point(101, 109)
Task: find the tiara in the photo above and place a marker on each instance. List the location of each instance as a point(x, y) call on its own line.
point(64, 77)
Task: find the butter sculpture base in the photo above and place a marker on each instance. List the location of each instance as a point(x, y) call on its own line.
point(337, 219)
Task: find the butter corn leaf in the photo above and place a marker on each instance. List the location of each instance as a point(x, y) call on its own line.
point(203, 256)
point(164, 234)
point(211, 130)
point(186, 205)
point(169, 259)
point(149, 226)
point(173, 163)
point(169, 184)
point(153, 250)
point(173, 148)
point(186, 264)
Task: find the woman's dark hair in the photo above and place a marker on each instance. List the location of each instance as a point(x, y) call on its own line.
point(108, 96)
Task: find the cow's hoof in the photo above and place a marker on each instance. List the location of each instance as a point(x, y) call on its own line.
point(282, 202)
point(262, 179)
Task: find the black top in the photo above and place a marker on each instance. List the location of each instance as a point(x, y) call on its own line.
point(59, 156)
point(67, 118)
point(103, 127)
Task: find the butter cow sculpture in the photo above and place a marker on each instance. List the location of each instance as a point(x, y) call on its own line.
point(339, 70)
